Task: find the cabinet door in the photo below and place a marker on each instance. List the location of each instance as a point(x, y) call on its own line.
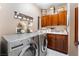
point(59, 42)
point(65, 18)
point(54, 19)
point(65, 44)
point(49, 20)
point(51, 41)
point(44, 20)
point(62, 18)
point(62, 43)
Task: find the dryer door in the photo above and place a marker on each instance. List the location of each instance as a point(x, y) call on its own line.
point(44, 44)
point(29, 50)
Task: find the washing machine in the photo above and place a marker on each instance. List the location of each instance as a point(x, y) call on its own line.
point(33, 50)
point(43, 45)
point(35, 40)
point(18, 47)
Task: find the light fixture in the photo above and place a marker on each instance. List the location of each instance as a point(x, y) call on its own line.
point(31, 20)
point(15, 15)
point(24, 18)
point(19, 17)
point(27, 19)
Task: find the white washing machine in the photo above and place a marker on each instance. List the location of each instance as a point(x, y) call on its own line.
point(33, 49)
point(42, 45)
point(19, 47)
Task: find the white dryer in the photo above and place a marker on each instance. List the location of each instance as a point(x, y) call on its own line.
point(42, 45)
point(19, 47)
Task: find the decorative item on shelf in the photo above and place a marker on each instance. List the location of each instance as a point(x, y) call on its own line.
point(22, 27)
point(44, 12)
point(61, 9)
point(51, 10)
point(25, 22)
point(19, 28)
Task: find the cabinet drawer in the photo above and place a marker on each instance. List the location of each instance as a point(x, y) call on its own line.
point(60, 37)
point(50, 36)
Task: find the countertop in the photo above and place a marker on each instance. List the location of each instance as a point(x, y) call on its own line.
point(14, 37)
point(61, 32)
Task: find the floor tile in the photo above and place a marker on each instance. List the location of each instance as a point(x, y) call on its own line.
point(54, 53)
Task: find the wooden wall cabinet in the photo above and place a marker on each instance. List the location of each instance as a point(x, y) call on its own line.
point(62, 18)
point(44, 21)
point(49, 20)
point(58, 42)
point(55, 19)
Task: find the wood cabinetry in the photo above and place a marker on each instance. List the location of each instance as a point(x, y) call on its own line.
point(55, 19)
point(61, 43)
point(65, 44)
point(49, 20)
point(44, 21)
point(76, 26)
point(51, 41)
point(62, 18)
point(58, 42)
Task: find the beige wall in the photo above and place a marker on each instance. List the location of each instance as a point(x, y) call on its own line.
point(72, 49)
point(8, 23)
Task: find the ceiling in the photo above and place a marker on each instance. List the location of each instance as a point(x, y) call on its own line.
point(47, 5)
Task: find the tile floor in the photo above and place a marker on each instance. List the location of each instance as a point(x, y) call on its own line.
point(54, 53)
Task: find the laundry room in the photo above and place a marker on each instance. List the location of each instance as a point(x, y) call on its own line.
point(38, 29)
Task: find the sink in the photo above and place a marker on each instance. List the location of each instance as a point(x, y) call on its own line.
point(57, 30)
point(52, 28)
